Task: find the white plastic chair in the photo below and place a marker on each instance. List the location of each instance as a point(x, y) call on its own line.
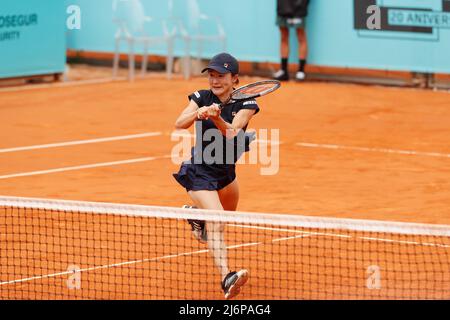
point(135, 28)
point(194, 27)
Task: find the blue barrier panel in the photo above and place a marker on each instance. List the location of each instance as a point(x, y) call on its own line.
point(338, 32)
point(32, 37)
point(342, 37)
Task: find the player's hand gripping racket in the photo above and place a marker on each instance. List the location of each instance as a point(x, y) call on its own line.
point(252, 91)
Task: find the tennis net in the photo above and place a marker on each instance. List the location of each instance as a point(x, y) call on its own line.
point(54, 249)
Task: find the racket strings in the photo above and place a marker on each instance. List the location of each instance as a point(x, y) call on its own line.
point(255, 90)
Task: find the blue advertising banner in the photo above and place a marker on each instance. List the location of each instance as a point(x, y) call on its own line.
point(418, 47)
point(32, 37)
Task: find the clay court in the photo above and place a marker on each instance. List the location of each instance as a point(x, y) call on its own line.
point(346, 151)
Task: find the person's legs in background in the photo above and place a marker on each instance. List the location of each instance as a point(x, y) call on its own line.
point(283, 74)
point(302, 53)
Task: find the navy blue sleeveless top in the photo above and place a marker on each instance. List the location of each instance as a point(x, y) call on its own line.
point(207, 133)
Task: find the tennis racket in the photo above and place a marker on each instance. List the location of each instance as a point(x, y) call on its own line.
point(252, 91)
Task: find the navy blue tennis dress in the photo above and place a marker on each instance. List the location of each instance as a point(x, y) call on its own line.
point(203, 172)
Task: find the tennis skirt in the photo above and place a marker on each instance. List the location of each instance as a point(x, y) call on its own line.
point(195, 177)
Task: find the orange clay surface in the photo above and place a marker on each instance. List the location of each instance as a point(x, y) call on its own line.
point(350, 151)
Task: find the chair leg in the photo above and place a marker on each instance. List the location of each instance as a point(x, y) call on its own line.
point(116, 58)
point(224, 44)
point(144, 60)
point(130, 60)
point(169, 62)
point(199, 53)
point(187, 59)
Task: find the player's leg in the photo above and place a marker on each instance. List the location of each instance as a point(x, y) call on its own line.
point(229, 196)
point(232, 283)
point(282, 74)
point(210, 200)
point(302, 53)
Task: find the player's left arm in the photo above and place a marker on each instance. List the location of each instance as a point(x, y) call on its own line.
point(231, 130)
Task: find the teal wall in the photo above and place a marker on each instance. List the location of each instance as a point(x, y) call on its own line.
point(35, 45)
point(251, 30)
point(253, 36)
point(334, 37)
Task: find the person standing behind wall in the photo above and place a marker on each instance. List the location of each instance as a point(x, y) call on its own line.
point(292, 14)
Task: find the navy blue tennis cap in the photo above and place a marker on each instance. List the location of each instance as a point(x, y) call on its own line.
point(223, 63)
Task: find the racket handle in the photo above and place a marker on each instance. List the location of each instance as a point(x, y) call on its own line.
point(221, 106)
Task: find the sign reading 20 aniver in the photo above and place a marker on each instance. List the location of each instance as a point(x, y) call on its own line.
point(403, 19)
point(12, 25)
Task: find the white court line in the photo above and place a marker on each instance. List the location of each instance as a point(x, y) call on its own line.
point(87, 166)
point(342, 147)
point(426, 244)
point(113, 265)
point(262, 141)
point(336, 235)
point(180, 134)
point(78, 142)
point(264, 228)
point(305, 233)
point(62, 84)
point(380, 150)
point(251, 244)
point(133, 262)
point(290, 238)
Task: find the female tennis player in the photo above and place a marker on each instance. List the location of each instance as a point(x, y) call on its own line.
point(211, 183)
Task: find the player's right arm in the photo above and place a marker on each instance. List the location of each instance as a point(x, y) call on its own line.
point(187, 117)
